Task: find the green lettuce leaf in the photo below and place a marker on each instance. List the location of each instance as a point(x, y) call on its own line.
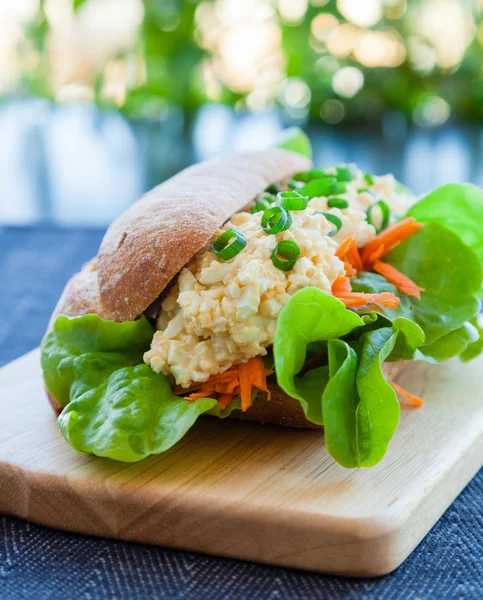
point(361, 410)
point(409, 338)
point(457, 206)
point(452, 344)
point(310, 316)
point(296, 140)
point(474, 348)
point(115, 406)
point(80, 353)
point(129, 416)
point(449, 271)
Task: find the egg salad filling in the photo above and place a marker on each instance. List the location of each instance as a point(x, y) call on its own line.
point(223, 310)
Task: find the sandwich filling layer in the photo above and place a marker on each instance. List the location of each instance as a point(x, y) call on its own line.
point(224, 312)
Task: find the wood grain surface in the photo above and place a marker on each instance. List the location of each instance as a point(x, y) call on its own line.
point(261, 493)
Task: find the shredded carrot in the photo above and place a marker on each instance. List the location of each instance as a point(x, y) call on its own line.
point(224, 400)
point(245, 385)
point(377, 254)
point(204, 392)
point(349, 269)
point(251, 374)
point(414, 400)
point(344, 247)
point(354, 257)
point(238, 380)
point(403, 283)
point(341, 284)
point(389, 238)
point(348, 252)
point(232, 387)
point(358, 299)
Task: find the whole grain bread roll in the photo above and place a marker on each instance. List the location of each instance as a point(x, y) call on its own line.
point(145, 248)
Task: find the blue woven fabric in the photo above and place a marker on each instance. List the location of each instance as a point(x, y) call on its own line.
point(36, 562)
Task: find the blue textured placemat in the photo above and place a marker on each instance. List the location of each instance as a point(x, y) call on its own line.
point(36, 562)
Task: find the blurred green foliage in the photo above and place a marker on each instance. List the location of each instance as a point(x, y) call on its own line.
point(420, 58)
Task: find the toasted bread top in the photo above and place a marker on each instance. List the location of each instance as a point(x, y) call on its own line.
point(156, 237)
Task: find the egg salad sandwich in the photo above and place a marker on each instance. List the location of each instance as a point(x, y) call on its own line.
point(260, 287)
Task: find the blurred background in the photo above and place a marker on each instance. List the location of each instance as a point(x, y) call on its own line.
point(102, 99)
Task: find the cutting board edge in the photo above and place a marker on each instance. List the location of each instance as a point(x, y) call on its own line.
point(380, 541)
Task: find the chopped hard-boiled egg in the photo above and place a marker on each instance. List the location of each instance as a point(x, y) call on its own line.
point(223, 312)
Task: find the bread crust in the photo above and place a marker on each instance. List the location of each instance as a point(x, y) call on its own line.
point(153, 240)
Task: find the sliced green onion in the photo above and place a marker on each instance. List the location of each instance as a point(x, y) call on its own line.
point(366, 191)
point(307, 176)
point(345, 173)
point(292, 200)
point(275, 220)
point(369, 179)
point(327, 186)
point(385, 212)
point(333, 219)
point(337, 203)
point(273, 189)
point(285, 255)
point(262, 203)
point(222, 247)
point(340, 188)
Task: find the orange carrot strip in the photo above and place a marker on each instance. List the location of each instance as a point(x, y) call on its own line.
point(341, 284)
point(244, 373)
point(354, 256)
point(349, 269)
point(259, 374)
point(236, 380)
point(232, 385)
point(357, 299)
point(344, 247)
point(377, 254)
point(415, 400)
point(348, 252)
point(390, 237)
point(224, 400)
point(226, 376)
point(203, 393)
point(403, 283)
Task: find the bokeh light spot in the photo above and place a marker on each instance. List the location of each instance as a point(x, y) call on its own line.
point(348, 81)
point(364, 13)
point(332, 111)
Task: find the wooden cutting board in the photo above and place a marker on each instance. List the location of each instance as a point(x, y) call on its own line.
point(249, 491)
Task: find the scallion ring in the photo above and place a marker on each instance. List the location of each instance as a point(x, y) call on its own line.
point(226, 250)
point(262, 203)
point(337, 203)
point(285, 255)
point(385, 214)
point(292, 200)
point(340, 188)
point(326, 186)
point(307, 176)
point(275, 220)
point(273, 189)
point(333, 219)
point(369, 179)
point(345, 173)
point(294, 185)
